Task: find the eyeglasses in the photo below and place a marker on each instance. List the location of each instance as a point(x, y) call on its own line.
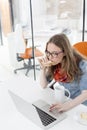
point(53, 54)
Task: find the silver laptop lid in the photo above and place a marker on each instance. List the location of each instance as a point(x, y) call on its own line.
point(34, 114)
point(26, 108)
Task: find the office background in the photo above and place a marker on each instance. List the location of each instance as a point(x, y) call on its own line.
point(49, 17)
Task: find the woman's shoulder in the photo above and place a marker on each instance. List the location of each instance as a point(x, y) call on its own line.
point(83, 65)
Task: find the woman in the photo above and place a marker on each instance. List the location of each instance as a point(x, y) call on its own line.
point(66, 66)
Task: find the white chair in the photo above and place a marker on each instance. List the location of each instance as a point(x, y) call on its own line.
point(19, 51)
point(12, 48)
point(20, 43)
point(16, 45)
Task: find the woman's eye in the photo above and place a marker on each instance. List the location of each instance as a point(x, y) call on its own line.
point(56, 54)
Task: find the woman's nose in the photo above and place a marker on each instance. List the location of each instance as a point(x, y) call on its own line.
point(50, 57)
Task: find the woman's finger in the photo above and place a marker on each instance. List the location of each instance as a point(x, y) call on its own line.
point(55, 106)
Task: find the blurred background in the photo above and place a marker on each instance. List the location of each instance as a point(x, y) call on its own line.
point(39, 20)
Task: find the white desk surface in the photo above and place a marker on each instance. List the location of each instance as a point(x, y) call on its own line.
point(30, 90)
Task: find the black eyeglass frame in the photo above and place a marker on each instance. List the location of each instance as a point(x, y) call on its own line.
point(53, 54)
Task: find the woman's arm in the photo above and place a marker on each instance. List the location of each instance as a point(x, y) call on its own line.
point(79, 99)
point(43, 80)
point(70, 104)
point(45, 63)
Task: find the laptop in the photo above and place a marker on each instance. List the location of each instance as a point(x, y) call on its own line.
point(37, 112)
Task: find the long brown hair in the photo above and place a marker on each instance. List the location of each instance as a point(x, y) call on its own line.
point(71, 59)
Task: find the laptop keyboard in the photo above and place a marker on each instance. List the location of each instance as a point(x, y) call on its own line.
point(45, 117)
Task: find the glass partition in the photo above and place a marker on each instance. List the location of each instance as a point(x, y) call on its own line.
point(55, 16)
point(50, 17)
point(1, 39)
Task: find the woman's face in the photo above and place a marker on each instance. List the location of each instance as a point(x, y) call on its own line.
point(54, 53)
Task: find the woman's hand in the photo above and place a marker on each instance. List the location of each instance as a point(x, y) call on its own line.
point(44, 62)
point(44, 66)
point(61, 107)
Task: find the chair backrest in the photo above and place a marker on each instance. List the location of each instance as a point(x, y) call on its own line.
point(20, 43)
point(11, 39)
point(16, 44)
point(81, 47)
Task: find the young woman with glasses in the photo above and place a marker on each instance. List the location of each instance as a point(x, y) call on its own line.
point(66, 66)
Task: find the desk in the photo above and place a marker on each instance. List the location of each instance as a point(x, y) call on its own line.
point(29, 90)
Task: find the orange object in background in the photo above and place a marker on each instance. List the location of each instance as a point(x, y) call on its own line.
point(28, 55)
point(81, 47)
